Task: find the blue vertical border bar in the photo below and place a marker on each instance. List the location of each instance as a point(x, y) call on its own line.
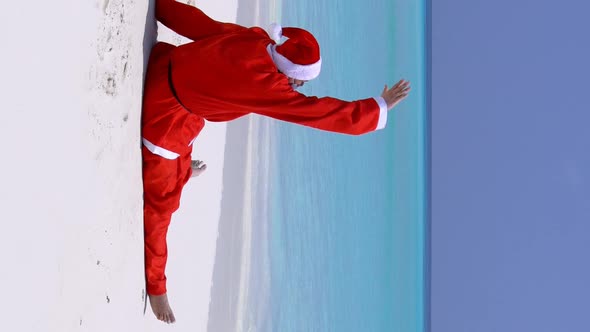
point(428, 164)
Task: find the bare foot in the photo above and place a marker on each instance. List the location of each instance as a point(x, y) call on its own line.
point(161, 308)
point(198, 167)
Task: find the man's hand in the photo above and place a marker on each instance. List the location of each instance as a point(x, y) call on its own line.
point(396, 94)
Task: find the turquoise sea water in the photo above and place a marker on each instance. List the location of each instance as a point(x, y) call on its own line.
point(345, 237)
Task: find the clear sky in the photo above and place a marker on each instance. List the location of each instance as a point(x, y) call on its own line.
point(510, 166)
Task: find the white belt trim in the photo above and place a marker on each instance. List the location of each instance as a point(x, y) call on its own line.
point(159, 150)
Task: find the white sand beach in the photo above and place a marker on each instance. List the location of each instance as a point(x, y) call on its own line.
point(71, 173)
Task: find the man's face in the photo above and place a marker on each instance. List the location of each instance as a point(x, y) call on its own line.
point(295, 83)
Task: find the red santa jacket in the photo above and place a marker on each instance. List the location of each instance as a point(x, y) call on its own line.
point(228, 72)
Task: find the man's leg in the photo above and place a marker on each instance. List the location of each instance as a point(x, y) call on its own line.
point(163, 180)
point(189, 21)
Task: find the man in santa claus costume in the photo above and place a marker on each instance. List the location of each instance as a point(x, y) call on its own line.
point(228, 71)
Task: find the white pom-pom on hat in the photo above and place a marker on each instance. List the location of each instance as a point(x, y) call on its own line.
point(275, 31)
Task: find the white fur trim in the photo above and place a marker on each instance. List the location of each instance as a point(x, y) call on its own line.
point(293, 70)
point(275, 32)
point(159, 151)
point(382, 113)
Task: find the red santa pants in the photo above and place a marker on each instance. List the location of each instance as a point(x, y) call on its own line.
point(163, 179)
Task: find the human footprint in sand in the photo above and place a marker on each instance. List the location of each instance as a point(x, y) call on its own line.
point(228, 71)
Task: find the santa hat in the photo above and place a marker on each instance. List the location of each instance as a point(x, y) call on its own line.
point(299, 56)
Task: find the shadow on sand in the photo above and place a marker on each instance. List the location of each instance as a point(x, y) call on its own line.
point(150, 35)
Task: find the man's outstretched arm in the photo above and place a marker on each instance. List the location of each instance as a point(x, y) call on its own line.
point(330, 114)
point(189, 21)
